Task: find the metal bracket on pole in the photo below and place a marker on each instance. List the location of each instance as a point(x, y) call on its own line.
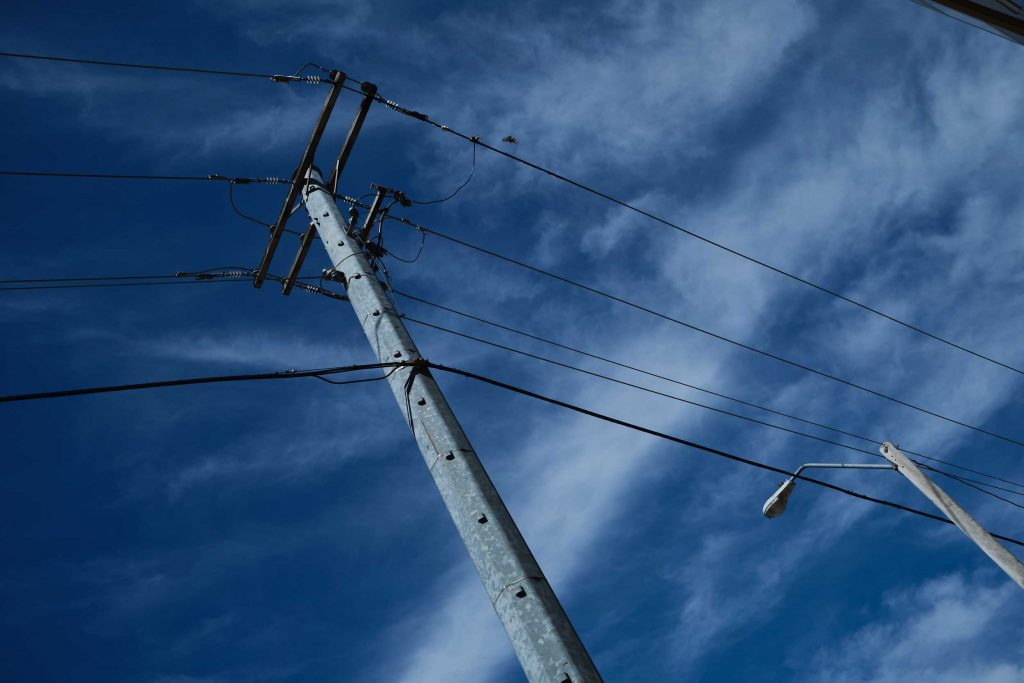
point(956, 514)
point(364, 234)
point(369, 93)
point(299, 179)
point(300, 256)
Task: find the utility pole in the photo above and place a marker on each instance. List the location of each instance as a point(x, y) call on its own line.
point(1009, 19)
point(547, 645)
point(990, 546)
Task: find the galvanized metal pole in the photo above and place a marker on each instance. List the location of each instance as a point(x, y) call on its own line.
point(544, 640)
point(990, 546)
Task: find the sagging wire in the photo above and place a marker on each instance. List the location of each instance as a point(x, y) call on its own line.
point(298, 72)
point(358, 381)
point(419, 251)
point(231, 198)
point(475, 139)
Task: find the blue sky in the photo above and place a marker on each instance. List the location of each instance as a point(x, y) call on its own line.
point(289, 532)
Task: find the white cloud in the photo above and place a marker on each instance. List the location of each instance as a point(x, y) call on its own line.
point(949, 629)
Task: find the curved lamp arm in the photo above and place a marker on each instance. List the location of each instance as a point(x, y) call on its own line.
point(776, 504)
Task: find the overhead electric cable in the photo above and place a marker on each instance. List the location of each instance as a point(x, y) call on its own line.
point(215, 177)
point(696, 404)
point(285, 374)
point(87, 279)
point(701, 330)
point(692, 444)
point(472, 171)
point(475, 140)
point(967, 482)
point(107, 176)
point(711, 392)
point(277, 78)
point(242, 272)
point(608, 378)
point(695, 387)
point(227, 274)
point(324, 372)
point(114, 284)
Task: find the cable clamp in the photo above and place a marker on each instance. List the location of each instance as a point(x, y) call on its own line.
point(336, 276)
point(401, 198)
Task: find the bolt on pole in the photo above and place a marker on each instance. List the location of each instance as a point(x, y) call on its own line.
point(547, 645)
point(956, 514)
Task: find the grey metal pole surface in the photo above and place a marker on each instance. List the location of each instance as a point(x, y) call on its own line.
point(990, 546)
point(547, 645)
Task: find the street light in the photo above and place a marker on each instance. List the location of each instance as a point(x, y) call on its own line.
point(776, 504)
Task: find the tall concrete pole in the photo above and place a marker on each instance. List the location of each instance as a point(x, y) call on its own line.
point(990, 546)
point(547, 645)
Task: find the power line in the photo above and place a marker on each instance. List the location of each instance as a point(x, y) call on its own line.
point(710, 392)
point(472, 171)
point(324, 372)
point(285, 374)
point(277, 78)
point(138, 176)
point(692, 444)
point(207, 276)
point(967, 482)
point(475, 140)
point(696, 404)
point(696, 328)
point(113, 284)
point(608, 378)
point(87, 279)
point(239, 274)
point(108, 176)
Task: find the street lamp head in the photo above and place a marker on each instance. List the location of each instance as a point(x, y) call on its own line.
point(776, 505)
